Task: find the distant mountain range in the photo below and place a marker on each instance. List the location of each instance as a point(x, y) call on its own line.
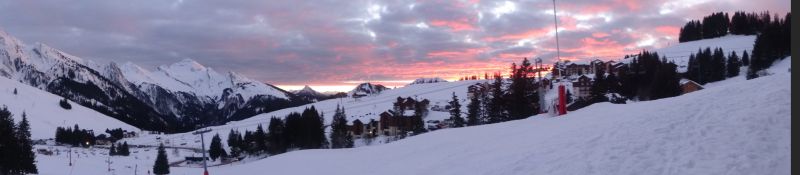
point(177, 97)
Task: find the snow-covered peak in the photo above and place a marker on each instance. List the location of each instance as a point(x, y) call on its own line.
point(190, 76)
point(50, 55)
point(364, 89)
point(308, 91)
point(185, 65)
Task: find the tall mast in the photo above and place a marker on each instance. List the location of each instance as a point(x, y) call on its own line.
point(555, 21)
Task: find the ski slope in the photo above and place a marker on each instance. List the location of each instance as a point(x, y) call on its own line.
point(45, 114)
point(742, 127)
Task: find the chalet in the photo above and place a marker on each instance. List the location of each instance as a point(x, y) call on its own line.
point(577, 69)
point(582, 87)
point(477, 89)
point(689, 86)
point(129, 134)
point(103, 141)
point(616, 67)
point(44, 151)
point(357, 129)
point(389, 125)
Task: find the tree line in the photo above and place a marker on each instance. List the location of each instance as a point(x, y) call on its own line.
point(304, 130)
point(720, 24)
point(772, 44)
point(16, 147)
point(706, 66)
point(75, 136)
point(497, 101)
point(120, 149)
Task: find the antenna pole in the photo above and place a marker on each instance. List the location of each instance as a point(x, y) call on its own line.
point(555, 21)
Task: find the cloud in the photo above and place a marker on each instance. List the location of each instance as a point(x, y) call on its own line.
point(331, 42)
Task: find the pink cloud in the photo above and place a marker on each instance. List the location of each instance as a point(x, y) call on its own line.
point(455, 26)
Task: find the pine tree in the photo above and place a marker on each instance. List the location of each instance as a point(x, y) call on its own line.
point(522, 100)
point(455, 112)
point(733, 65)
point(599, 88)
point(293, 130)
point(260, 139)
point(745, 59)
point(215, 150)
point(124, 150)
point(161, 165)
point(113, 150)
point(276, 136)
point(718, 65)
point(27, 158)
point(665, 82)
point(473, 110)
point(340, 138)
point(234, 140)
point(9, 144)
point(313, 132)
point(496, 107)
point(15, 91)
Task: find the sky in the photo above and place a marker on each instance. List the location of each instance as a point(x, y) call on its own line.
point(334, 45)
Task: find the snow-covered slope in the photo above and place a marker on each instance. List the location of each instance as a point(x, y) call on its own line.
point(739, 128)
point(45, 114)
point(680, 52)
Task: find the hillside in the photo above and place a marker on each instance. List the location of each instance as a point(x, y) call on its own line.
point(680, 52)
point(364, 108)
point(45, 114)
point(704, 132)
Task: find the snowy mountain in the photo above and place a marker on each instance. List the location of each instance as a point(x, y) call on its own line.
point(45, 114)
point(366, 89)
point(428, 80)
point(310, 94)
point(177, 97)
